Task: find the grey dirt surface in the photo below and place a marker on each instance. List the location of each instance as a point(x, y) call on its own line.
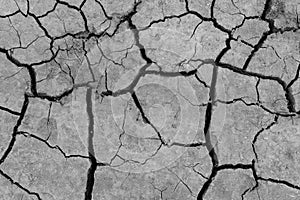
point(150, 99)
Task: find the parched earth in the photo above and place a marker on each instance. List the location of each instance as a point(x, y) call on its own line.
point(149, 99)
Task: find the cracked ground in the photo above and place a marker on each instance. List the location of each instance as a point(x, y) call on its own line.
point(149, 99)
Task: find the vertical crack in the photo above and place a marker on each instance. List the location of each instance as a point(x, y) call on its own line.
point(93, 167)
point(260, 131)
point(11, 145)
point(209, 146)
point(135, 31)
point(15, 129)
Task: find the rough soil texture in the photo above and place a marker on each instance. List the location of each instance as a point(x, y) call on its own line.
point(149, 99)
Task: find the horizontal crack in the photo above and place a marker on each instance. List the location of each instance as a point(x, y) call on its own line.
point(10, 111)
point(26, 134)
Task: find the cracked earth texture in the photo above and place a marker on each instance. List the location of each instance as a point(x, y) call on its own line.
point(149, 99)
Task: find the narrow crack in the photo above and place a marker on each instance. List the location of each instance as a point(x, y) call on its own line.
point(57, 147)
point(258, 104)
point(2, 173)
point(274, 122)
point(278, 181)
